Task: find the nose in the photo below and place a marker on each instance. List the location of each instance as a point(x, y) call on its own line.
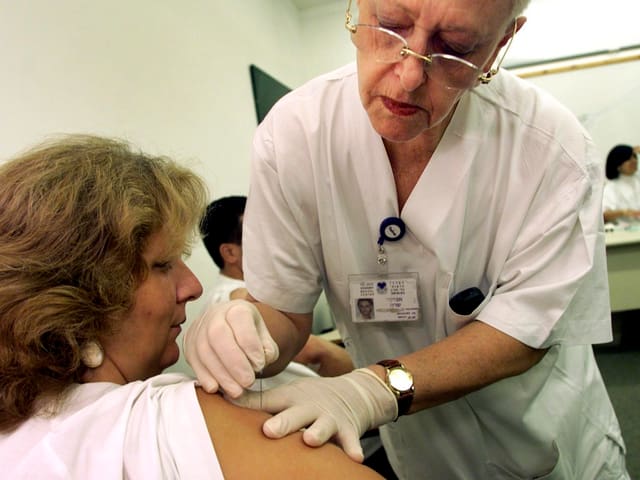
point(189, 288)
point(411, 72)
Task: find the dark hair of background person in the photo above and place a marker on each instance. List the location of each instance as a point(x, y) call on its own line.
point(75, 216)
point(222, 223)
point(617, 156)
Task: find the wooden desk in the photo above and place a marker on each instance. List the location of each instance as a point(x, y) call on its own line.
point(623, 263)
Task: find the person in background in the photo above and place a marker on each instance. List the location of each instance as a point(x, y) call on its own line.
point(621, 197)
point(468, 204)
point(93, 289)
point(221, 229)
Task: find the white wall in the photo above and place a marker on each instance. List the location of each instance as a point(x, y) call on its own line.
point(172, 76)
point(564, 28)
point(327, 43)
point(606, 99)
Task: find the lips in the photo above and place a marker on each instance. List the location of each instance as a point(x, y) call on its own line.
point(399, 108)
point(174, 331)
point(177, 325)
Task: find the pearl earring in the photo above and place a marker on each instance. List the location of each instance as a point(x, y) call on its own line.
point(92, 354)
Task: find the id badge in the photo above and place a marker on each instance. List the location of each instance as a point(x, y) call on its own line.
point(384, 298)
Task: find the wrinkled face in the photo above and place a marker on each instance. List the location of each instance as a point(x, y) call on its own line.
point(630, 166)
point(399, 98)
point(146, 342)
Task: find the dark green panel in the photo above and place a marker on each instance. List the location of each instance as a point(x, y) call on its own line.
point(266, 91)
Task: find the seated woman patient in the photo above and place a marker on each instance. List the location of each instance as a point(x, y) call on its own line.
point(93, 289)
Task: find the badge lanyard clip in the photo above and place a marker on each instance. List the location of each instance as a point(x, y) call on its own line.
point(392, 229)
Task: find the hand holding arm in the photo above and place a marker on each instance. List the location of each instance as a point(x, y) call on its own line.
point(235, 431)
point(341, 408)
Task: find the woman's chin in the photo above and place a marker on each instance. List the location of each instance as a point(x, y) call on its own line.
point(400, 131)
point(171, 356)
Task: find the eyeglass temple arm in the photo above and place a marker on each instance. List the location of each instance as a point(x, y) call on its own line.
point(488, 76)
point(347, 22)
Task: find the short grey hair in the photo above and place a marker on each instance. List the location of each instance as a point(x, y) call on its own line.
point(519, 6)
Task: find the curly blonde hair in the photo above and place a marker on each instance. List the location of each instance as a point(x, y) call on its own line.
point(75, 215)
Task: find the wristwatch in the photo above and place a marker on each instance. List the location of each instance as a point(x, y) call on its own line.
point(400, 381)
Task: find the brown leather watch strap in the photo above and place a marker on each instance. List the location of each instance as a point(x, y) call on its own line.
point(403, 397)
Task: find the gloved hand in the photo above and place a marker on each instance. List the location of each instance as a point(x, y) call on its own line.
point(227, 345)
point(341, 408)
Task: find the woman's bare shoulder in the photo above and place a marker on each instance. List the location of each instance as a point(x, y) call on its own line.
point(245, 453)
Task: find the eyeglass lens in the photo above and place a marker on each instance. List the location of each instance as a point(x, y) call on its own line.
point(389, 48)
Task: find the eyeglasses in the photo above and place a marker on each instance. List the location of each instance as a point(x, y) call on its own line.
point(389, 47)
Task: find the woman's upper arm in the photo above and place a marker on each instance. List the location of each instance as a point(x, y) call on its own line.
point(245, 453)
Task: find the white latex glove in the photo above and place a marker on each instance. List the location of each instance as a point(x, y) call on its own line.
point(340, 408)
point(227, 345)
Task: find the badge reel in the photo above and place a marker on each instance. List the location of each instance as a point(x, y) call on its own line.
point(391, 229)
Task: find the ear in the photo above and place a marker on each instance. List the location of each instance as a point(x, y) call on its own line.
point(520, 21)
point(509, 32)
point(231, 253)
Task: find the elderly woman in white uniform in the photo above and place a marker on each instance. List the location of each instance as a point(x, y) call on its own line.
point(467, 205)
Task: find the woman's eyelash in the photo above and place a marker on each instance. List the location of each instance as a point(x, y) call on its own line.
point(392, 26)
point(163, 266)
point(440, 46)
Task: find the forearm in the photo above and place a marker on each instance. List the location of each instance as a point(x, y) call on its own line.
point(336, 365)
point(613, 215)
point(474, 357)
point(327, 358)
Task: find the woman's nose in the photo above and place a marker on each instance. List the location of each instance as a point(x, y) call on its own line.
point(190, 287)
point(411, 73)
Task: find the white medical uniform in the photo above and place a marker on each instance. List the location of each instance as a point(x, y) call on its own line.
point(509, 203)
point(622, 193)
point(152, 429)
